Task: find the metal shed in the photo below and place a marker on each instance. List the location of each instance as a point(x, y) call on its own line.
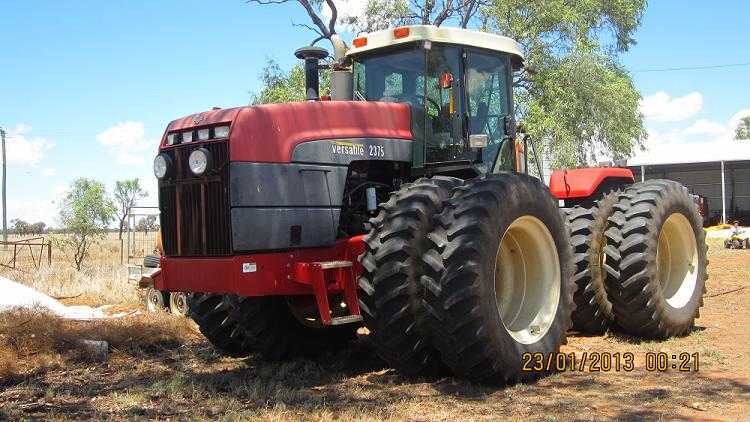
point(724, 184)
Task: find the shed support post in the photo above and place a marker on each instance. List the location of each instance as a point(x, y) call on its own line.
point(723, 196)
point(643, 173)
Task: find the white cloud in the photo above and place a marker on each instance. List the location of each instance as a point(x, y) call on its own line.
point(660, 107)
point(706, 127)
point(24, 150)
point(704, 140)
point(127, 143)
point(49, 172)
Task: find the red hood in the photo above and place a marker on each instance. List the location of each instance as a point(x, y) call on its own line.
point(269, 133)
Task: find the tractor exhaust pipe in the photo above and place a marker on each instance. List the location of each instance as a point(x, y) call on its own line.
point(311, 55)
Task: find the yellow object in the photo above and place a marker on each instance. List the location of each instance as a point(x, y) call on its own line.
point(157, 243)
point(718, 227)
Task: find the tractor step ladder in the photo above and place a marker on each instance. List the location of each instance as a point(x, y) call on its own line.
point(314, 273)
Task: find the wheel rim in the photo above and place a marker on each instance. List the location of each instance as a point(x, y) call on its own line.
point(153, 302)
point(527, 279)
point(677, 260)
point(179, 302)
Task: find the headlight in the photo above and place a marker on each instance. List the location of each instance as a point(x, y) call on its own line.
point(161, 166)
point(199, 161)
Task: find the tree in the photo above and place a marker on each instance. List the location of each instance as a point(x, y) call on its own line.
point(578, 101)
point(85, 213)
point(742, 131)
point(37, 228)
point(127, 193)
point(147, 224)
point(284, 87)
point(19, 226)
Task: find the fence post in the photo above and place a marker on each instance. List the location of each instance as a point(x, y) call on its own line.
point(49, 253)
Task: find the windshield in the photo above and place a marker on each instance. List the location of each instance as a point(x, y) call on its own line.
point(454, 92)
point(392, 77)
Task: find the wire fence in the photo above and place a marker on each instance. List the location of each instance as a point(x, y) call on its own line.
point(142, 231)
point(26, 253)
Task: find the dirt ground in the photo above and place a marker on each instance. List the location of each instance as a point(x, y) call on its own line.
point(185, 379)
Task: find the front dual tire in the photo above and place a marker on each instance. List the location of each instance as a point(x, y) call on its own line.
point(504, 286)
point(468, 276)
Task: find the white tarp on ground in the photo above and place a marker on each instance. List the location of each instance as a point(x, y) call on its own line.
point(727, 233)
point(15, 295)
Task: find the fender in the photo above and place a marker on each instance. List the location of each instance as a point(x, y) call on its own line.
point(584, 182)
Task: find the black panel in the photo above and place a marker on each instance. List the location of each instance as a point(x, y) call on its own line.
point(262, 229)
point(286, 185)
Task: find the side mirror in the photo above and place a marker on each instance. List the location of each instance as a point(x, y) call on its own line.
point(479, 140)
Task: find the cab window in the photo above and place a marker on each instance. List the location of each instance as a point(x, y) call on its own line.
point(444, 105)
point(488, 103)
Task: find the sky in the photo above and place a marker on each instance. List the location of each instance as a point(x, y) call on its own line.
point(87, 88)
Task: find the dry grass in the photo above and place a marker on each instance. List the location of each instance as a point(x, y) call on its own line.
point(159, 368)
point(103, 280)
point(35, 341)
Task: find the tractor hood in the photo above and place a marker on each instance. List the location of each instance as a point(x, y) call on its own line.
point(269, 133)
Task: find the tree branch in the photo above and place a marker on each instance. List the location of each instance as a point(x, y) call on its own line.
point(334, 17)
point(445, 13)
point(267, 1)
point(324, 31)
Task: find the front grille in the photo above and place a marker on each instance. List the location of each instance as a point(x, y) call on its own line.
point(195, 209)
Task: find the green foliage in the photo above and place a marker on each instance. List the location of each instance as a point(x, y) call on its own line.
point(742, 131)
point(579, 101)
point(126, 194)
point(279, 86)
point(85, 213)
point(580, 106)
point(21, 227)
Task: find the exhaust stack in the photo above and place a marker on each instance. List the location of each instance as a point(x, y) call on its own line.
point(311, 55)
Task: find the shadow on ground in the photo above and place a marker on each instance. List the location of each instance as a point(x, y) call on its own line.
point(191, 381)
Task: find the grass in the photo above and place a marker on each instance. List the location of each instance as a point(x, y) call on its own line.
point(103, 280)
point(160, 367)
point(34, 341)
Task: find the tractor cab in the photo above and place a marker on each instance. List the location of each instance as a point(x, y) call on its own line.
point(458, 84)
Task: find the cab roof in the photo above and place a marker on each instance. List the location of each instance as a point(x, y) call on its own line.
point(387, 38)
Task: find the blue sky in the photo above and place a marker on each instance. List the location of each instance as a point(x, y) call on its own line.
point(87, 87)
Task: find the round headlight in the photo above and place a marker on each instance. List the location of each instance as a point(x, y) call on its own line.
point(161, 166)
point(199, 161)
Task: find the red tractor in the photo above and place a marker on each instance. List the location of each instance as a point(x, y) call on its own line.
point(403, 205)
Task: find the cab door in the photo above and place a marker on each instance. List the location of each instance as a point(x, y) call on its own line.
point(489, 104)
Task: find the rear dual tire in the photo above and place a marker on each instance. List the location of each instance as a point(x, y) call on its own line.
point(662, 260)
point(593, 258)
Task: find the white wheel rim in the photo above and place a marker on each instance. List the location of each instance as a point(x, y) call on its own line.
point(677, 260)
point(527, 279)
point(179, 302)
point(153, 303)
